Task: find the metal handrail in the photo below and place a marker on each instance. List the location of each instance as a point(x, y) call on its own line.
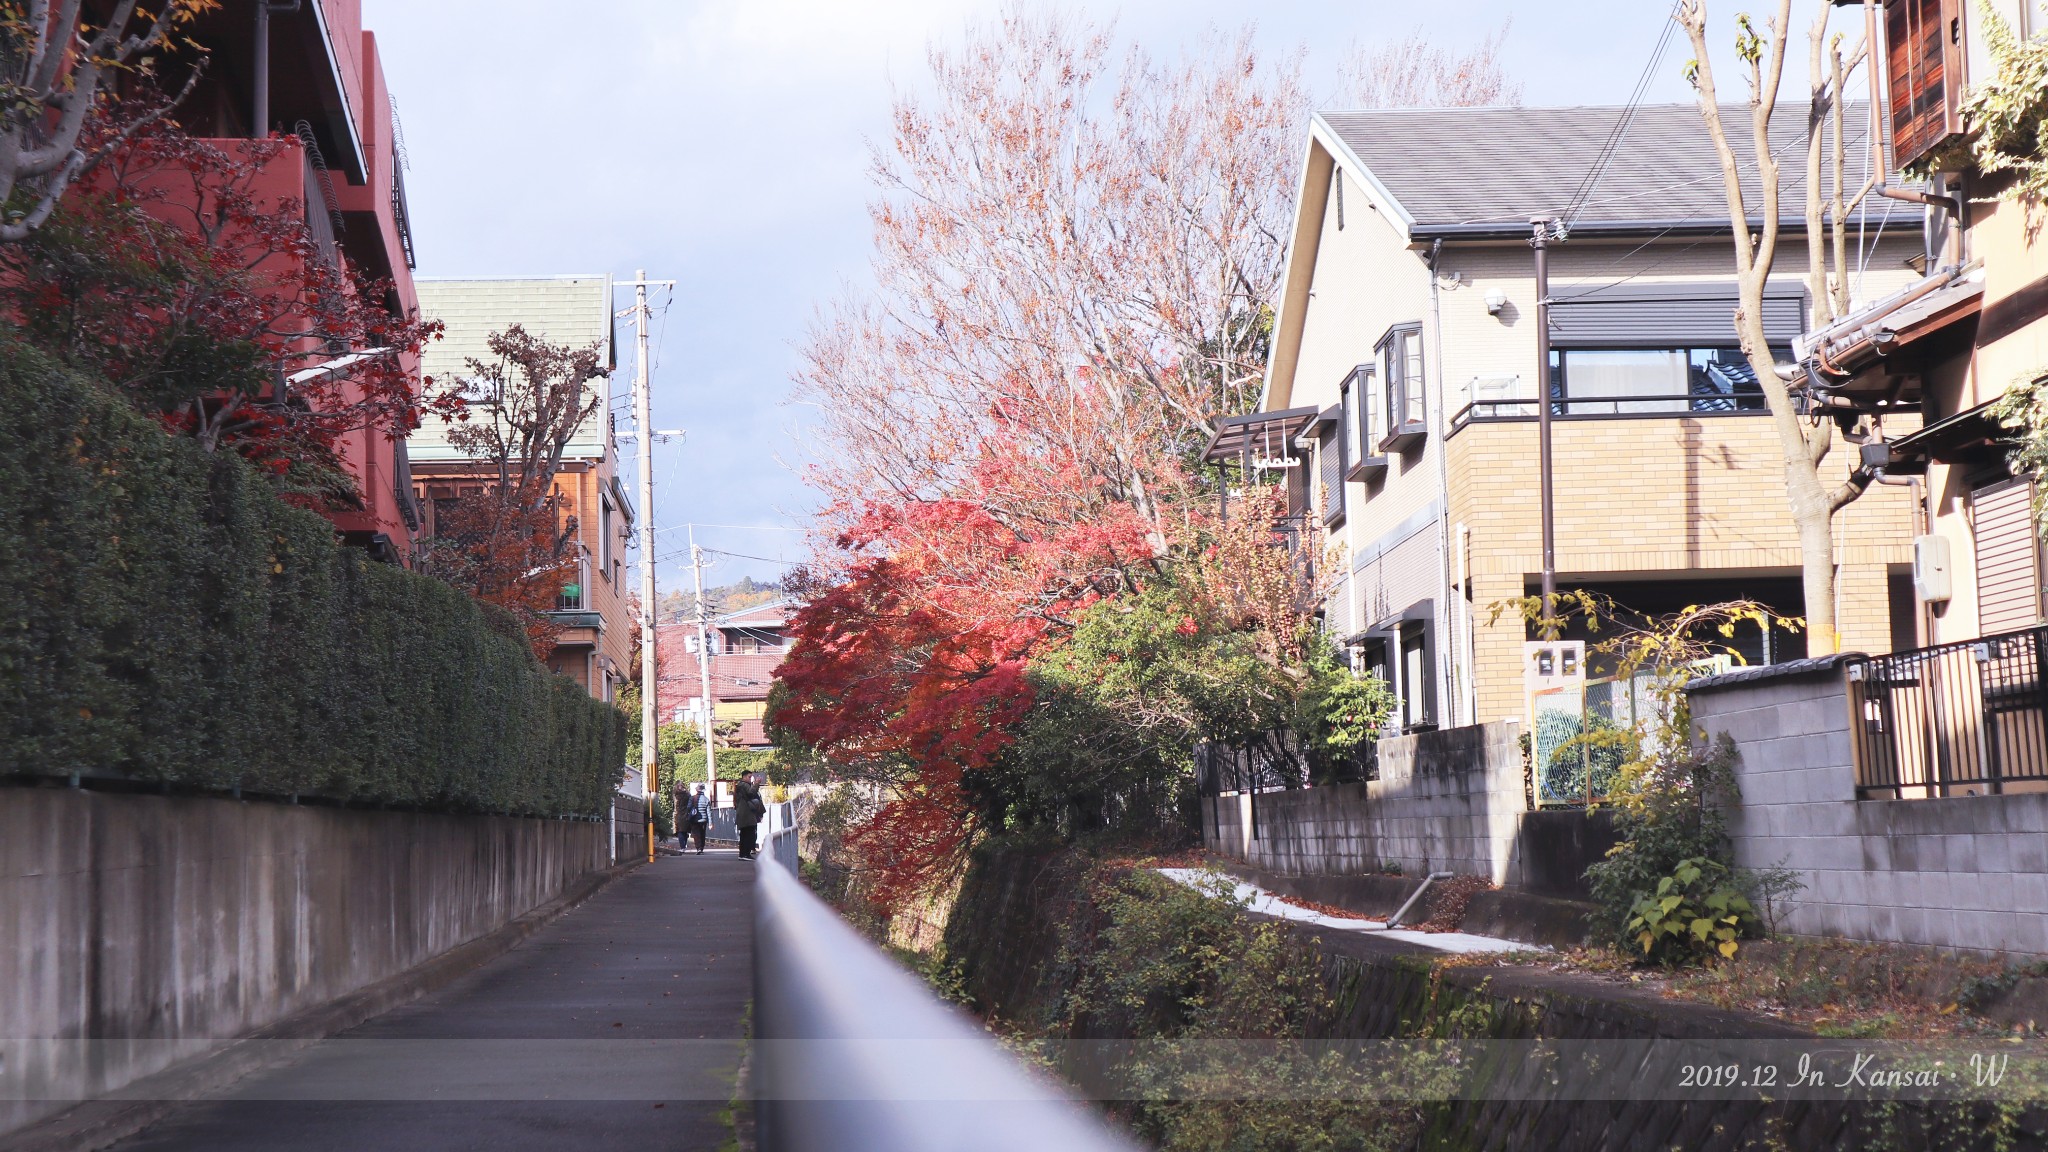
point(852, 1051)
point(1962, 718)
point(1508, 409)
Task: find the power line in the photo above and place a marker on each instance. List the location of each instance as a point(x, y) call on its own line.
point(744, 527)
point(744, 556)
point(1612, 145)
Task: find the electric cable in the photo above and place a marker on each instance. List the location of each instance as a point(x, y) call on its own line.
point(1612, 145)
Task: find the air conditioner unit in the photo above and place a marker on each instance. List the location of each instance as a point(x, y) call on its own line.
point(1930, 569)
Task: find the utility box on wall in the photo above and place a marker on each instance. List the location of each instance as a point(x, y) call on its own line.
point(1931, 569)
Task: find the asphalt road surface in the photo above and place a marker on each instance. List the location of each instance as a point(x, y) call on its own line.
point(618, 1026)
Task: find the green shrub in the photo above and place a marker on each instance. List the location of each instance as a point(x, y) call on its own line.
point(1668, 810)
point(1695, 913)
point(171, 620)
point(732, 763)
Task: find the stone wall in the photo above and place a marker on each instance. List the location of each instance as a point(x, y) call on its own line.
point(1448, 801)
point(1962, 872)
point(147, 917)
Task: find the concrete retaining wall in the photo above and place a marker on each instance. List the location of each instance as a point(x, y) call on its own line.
point(155, 917)
point(1963, 872)
point(1446, 801)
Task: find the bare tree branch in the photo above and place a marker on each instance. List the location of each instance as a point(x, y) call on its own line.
point(54, 75)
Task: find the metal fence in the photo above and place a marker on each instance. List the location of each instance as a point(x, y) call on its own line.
point(851, 1050)
point(1961, 719)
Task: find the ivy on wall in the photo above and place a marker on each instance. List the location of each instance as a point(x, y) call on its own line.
point(171, 620)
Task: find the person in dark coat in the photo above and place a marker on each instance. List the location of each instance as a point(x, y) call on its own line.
point(747, 810)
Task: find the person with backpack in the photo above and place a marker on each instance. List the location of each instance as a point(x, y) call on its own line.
point(693, 818)
point(747, 810)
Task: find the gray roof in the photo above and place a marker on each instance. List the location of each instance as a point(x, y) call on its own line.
point(1488, 171)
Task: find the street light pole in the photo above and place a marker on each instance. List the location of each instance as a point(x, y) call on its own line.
point(650, 682)
point(1539, 239)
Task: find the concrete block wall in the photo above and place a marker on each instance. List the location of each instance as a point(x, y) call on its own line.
point(137, 917)
point(1966, 872)
point(1446, 801)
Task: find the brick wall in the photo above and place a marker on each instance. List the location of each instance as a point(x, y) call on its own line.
point(1966, 872)
point(1699, 497)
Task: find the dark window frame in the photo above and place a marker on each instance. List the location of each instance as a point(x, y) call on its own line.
point(1407, 401)
point(1370, 464)
point(1422, 633)
point(1695, 401)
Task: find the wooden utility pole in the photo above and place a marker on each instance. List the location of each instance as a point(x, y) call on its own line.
point(650, 668)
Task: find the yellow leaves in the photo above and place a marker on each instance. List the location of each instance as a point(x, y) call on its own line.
point(1727, 949)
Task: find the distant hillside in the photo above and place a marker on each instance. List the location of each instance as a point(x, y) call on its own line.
point(747, 592)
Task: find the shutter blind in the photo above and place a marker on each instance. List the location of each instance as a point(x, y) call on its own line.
point(1330, 456)
point(1299, 496)
point(1700, 314)
point(2008, 558)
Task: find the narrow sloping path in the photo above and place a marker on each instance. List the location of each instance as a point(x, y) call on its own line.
point(617, 1026)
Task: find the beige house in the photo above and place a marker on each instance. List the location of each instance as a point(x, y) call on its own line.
point(594, 610)
point(1404, 378)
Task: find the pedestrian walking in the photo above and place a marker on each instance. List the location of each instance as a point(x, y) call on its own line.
point(747, 810)
point(693, 819)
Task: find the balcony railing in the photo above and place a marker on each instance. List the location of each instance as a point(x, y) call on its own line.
point(1962, 719)
point(1611, 407)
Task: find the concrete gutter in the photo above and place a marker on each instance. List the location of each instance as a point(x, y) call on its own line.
point(98, 1123)
point(1258, 900)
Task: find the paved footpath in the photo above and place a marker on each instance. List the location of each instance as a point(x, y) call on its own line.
point(615, 1027)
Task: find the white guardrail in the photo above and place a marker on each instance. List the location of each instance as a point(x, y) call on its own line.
point(852, 1051)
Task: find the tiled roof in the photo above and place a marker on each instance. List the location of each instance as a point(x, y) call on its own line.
point(572, 310)
point(1475, 170)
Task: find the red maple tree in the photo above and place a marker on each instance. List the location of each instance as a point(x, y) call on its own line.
point(171, 274)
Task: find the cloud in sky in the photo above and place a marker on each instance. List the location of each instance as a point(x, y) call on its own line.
point(725, 145)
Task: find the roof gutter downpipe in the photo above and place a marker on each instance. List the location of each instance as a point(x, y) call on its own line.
point(1952, 248)
point(1450, 614)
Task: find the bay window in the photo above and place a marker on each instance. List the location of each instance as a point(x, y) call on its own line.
point(1401, 365)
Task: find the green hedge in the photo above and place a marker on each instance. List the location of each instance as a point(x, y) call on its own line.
point(170, 619)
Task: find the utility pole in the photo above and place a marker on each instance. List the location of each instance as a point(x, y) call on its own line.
point(1539, 240)
point(650, 675)
point(650, 669)
point(704, 661)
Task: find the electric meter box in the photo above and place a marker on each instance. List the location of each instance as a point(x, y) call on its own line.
point(1931, 569)
point(1548, 664)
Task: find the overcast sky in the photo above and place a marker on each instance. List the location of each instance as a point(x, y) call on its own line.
point(724, 144)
